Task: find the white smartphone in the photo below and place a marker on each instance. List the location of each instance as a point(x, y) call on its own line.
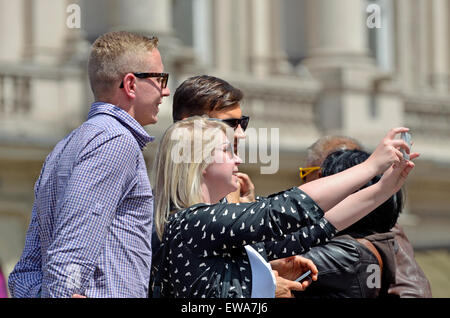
point(304, 276)
point(406, 136)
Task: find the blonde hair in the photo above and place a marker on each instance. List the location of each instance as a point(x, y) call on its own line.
point(177, 182)
point(113, 55)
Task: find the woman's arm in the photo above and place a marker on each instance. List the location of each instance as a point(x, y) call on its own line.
point(359, 204)
point(224, 226)
point(329, 191)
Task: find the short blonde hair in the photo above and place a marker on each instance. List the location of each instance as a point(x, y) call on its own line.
point(177, 183)
point(113, 55)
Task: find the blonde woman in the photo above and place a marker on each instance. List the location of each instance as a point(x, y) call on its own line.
point(202, 252)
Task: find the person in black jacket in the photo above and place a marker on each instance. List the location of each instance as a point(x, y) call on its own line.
point(202, 252)
point(410, 280)
point(360, 261)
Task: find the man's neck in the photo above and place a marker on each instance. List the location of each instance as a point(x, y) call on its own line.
point(125, 105)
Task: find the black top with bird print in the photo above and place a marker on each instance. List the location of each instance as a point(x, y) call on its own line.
point(202, 252)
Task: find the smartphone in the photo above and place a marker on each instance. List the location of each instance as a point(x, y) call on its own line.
point(406, 136)
point(304, 276)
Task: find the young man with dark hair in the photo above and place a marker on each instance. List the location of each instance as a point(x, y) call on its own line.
point(216, 98)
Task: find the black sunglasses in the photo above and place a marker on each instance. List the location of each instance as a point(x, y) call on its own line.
point(163, 76)
point(235, 122)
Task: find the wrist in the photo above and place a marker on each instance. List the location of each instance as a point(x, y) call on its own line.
point(382, 192)
point(370, 167)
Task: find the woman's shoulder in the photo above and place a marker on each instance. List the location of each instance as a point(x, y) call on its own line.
point(294, 191)
point(179, 215)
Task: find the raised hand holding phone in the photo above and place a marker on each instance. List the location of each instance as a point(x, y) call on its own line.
point(388, 151)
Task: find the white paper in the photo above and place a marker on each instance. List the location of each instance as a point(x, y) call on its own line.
point(263, 279)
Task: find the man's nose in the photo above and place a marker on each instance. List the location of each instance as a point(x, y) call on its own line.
point(239, 133)
point(165, 91)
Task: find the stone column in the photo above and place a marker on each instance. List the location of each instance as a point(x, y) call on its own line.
point(266, 54)
point(336, 28)
point(440, 61)
point(76, 47)
point(404, 46)
point(280, 64)
point(260, 37)
point(355, 99)
point(423, 43)
point(385, 37)
point(245, 37)
point(222, 35)
point(49, 29)
point(242, 37)
point(203, 31)
point(12, 35)
point(144, 16)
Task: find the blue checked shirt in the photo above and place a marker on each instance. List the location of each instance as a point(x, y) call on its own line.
point(91, 224)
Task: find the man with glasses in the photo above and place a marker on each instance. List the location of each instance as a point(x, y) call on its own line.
point(90, 230)
point(319, 150)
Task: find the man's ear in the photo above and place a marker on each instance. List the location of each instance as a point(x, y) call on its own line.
point(129, 85)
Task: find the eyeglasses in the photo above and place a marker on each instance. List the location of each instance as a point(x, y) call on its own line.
point(163, 78)
point(305, 171)
point(235, 122)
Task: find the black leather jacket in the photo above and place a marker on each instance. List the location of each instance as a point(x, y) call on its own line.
point(345, 269)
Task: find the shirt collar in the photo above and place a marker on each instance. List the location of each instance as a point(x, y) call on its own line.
point(142, 137)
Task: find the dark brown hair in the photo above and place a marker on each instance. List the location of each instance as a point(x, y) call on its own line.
point(200, 95)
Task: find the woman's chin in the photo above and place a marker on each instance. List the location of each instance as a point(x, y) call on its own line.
point(233, 187)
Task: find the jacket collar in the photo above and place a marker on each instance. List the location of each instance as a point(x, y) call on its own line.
point(142, 137)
